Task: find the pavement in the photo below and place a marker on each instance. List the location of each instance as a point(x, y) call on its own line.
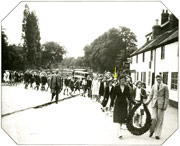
point(76, 120)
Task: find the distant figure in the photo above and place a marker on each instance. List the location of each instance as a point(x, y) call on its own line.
point(95, 88)
point(89, 83)
point(71, 86)
point(6, 77)
point(31, 79)
point(48, 81)
point(160, 97)
point(66, 84)
point(103, 84)
point(77, 85)
point(56, 85)
point(43, 82)
point(37, 80)
point(26, 78)
point(84, 86)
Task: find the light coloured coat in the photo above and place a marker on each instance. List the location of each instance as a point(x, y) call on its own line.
point(160, 97)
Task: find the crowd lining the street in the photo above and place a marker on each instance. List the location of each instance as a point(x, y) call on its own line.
point(116, 95)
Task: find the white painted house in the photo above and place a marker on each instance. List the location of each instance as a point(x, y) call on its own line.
point(159, 55)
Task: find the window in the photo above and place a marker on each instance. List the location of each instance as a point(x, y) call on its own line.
point(143, 57)
point(143, 77)
point(136, 58)
point(137, 76)
point(174, 80)
point(149, 78)
point(131, 60)
point(165, 77)
point(150, 64)
point(162, 52)
point(151, 55)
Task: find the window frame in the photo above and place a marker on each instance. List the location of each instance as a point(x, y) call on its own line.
point(174, 80)
point(143, 57)
point(137, 58)
point(149, 78)
point(162, 52)
point(151, 55)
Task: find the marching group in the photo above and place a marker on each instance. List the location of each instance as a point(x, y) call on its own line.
point(116, 95)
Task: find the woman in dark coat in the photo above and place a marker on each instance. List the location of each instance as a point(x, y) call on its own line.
point(121, 94)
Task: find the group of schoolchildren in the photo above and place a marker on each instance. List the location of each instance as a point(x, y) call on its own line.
point(11, 78)
point(99, 88)
point(102, 91)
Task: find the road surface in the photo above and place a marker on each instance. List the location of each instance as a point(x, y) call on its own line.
point(76, 120)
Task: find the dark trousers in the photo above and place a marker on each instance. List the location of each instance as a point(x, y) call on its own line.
point(56, 93)
point(36, 87)
point(56, 98)
point(26, 85)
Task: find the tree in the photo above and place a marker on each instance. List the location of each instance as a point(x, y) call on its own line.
point(4, 44)
point(110, 49)
point(52, 54)
point(31, 36)
point(12, 55)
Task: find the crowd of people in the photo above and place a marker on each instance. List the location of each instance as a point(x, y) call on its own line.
point(12, 77)
point(116, 95)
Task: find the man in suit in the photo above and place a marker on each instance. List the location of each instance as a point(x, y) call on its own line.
point(56, 85)
point(160, 97)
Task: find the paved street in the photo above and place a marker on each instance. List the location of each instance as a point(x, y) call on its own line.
point(77, 120)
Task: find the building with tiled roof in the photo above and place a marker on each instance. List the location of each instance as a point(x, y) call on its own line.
point(159, 55)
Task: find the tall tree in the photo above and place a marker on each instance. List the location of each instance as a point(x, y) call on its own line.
point(31, 36)
point(4, 44)
point(110, 49)
point(12, 55)
point(52, 54)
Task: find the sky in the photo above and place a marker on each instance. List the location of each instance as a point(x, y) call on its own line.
point(76, 24)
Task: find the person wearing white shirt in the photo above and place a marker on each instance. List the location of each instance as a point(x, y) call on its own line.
point(139, 96)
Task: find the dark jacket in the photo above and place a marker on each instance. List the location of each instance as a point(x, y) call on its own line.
point(37, 79)
point(43, 80)
point(107, 94)
point(26, 76)
point(89, 83)
point(56, 82)
point(120, 105)
point(102, 89)
point(66, 82)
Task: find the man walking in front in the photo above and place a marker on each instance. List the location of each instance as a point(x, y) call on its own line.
point(56, 85)
point(160, 97)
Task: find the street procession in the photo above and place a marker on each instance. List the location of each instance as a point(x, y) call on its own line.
point(114, 90)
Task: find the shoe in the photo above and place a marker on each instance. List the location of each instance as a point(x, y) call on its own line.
point(120, 137)
point(157, 137)
point(151, 134)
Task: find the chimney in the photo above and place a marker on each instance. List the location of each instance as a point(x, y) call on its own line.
point(173, 22)
point(164, 16)
point(156, 30)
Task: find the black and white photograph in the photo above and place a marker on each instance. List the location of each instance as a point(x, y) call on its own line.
point(89, 73)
